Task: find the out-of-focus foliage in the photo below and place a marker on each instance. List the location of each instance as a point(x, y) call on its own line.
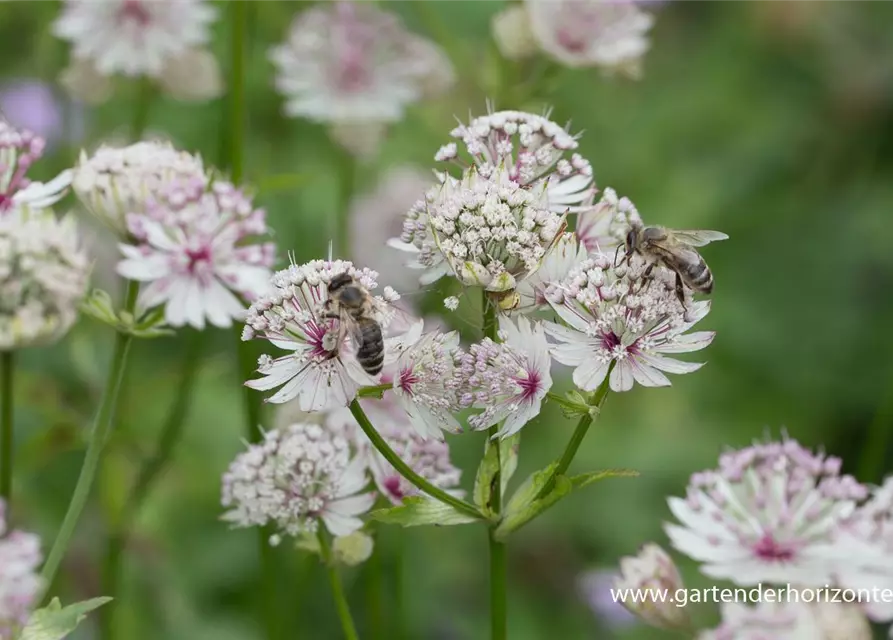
point(768, 121)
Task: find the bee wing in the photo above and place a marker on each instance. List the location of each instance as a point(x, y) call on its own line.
point(347, 326)
point(698, 237)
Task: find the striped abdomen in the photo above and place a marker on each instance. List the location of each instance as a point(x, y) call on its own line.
point(696, 274)
point(370, 347)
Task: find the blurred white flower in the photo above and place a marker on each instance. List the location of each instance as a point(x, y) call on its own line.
point(85, 84)
point(787, 621)
point(610, 34)
point(190, 246)
point(346, 62)
point(19, 149)
point(295, 478)
point(557, 265)
point(20, 583)
point(508, 379)
point(43, 276)
point(604, 226)
point(193, 75)
point(771, 513)
point(117, 181)
point(619, 315)
point(430, 458)
point(134, 37)
point(841, 621)
point(533, 150)
point(353, 549)
point(652, 571)
point(320, 372)
point(512, 33)
point(378, 215)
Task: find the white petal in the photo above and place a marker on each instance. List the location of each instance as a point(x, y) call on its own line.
point(622, 376)
point(689, 342)
point(590, 374)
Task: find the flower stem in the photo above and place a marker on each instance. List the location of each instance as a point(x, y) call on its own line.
point(238, 11)
point(144, 98)
point(347, 175)
point(102, 426)
point(404, 470)
point(347, 626)
point(150, 471)
point(7, 362)
point(375, 594)
point(598, 400)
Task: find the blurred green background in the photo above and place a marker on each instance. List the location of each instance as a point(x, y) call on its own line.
point(770, 121)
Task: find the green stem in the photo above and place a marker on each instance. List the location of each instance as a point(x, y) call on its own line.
point(598, 400)
point(149, 473)
point(347, 625)
point(102, 426)
point(7, 363)
point(347, 173)
point(564, 402)
point(238, 11)
point(375, 593)
point(375, 391)
point(144, 98)
point(404, 470)
point(399, 613)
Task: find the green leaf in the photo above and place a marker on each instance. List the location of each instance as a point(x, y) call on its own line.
point(585, 479)
point(54, 622)
point(499, 455)
point(524, 506)
point(420, 510)
point(98, 305)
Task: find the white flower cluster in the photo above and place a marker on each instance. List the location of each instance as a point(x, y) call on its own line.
point(20, 558)
point(194, 246)
point(19, 149)
point(295, 478)
point(603, 227)
point(609, 34)
point(165, 40)
point(117, 181)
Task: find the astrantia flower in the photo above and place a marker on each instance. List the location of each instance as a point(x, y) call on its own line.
point(19, 149)
point(535, 152)
point(353, 63)
point(43, 276)
point(295, 478)
point(426, 381)
point(603, 227)
point(508, 379)
point(567, 254)
point(191, 249)
point(770, 513)
point(20, 583)
point(608, 34)
point(766, 621)
point(320, 372)
point(649, 572)
point(115, 182)
point(428, 457)
point(134, 37)
point(619, 315)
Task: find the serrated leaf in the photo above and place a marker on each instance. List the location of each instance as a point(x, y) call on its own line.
point(419, 510)
point(54, 622)
point(524, 505)
point(584, 479)
point(501, 455)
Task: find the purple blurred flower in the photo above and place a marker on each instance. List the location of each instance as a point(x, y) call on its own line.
point(594, 588)
point(32, 105)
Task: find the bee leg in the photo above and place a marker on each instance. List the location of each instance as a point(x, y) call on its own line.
point(680, 291)
point(648, 271)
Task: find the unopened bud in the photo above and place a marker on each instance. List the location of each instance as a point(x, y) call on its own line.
point(651, 572)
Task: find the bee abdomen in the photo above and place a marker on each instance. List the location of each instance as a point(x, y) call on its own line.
point(370, 352)
point(699, 277)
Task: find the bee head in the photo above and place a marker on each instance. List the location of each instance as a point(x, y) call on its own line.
point(339, 281)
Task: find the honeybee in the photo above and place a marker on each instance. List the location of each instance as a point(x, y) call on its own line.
point(675, 249)
point(351, 303)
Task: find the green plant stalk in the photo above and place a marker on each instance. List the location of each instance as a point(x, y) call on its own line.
point(347, 625)
point(145, 96)
point(375, 594)
point(150, 471)
point(497, 550)
point(7, 369)
point(404, 470)
point(399, 614)
point(598, 400)
point(102, 426)
point(347, 174)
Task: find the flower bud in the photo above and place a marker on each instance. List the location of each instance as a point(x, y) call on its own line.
point(512, 33)
point(192, 76)
point(650, 572)
point(352, 549)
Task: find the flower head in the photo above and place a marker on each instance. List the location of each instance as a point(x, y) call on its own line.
point(349, 62)
point(191, 249)
point(115, 182)
point(426, 381)
point(650, 571)
point(134, 37)
point(566, 255)
point(534, 152)
point(322, 371)
point(295, 478)
point(610, 34)
point(620, 315)
point(770, 513)
point(603, 227)
point(790, 621)
point(20, 583)
point(509, 379)
point(43, 276)
point(19, 149)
